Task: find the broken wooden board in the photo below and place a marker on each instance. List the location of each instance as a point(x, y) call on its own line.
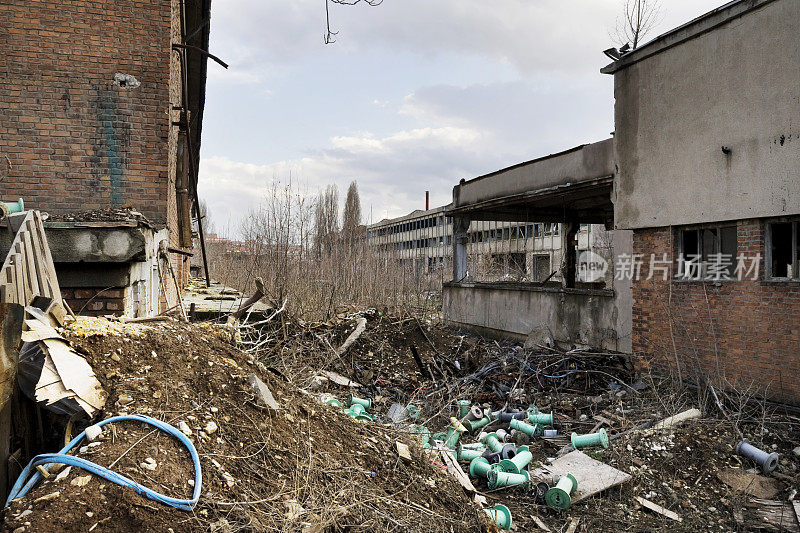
point(658, 509)
point(772, 515)
point(340, 379)
point(455, 470)
point(592, 475)
point(749, 483)
point(403, 451)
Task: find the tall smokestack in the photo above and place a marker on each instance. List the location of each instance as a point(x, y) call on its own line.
point(427, 200)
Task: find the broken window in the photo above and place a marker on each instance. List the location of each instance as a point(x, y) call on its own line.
point(540, 267)
point(784, 250)
point(707, 253)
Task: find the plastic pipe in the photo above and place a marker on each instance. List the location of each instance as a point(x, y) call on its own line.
point(352, 400)
point(517, 464)
point(492, 442)
point(528, 429)
point(15, 207)
point(559, 496)
point(479, 467)
point(463, 407)
point(23, 484)
point(545, 419)
point(507, 417)
point(590, 439)
point(767, 461)
point(472, 425)
point(499, 479)
point(500, 515)
point(467, 454)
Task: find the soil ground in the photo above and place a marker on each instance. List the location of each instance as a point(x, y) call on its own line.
point(308, 467)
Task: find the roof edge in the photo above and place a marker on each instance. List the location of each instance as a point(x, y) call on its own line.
point(685, 32)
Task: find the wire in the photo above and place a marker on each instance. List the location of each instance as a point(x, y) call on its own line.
point(23, 484)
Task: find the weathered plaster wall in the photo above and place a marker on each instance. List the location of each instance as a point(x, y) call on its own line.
point(736, 86)
point(572, 316)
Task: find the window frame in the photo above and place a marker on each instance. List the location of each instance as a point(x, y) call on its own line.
point(795, 253)
point(680, 275)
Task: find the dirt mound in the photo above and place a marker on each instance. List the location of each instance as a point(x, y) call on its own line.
point(305, 467)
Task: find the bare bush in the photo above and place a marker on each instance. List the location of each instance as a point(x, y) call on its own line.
point(293, 243)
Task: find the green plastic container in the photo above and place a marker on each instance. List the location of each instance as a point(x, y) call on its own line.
point(590, 439)
point(500, 515)
point(559, 497)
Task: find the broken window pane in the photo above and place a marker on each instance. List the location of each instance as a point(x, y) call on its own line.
point(781, 237)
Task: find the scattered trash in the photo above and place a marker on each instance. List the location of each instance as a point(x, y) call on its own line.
point(559, 497)
point(658, 509)
point(592, 439)
point(500, 515)
point(767, 461)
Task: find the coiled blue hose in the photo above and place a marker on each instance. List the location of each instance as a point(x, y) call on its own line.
point(26, 481)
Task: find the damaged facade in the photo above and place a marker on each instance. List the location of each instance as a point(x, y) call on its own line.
point(101, 117)
point(708, 148)
point(573, 189)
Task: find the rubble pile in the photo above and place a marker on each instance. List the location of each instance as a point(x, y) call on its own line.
point(379, 422)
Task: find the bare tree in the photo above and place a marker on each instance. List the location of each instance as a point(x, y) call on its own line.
point(329, 35)
point(639, 19)
point(351, 217)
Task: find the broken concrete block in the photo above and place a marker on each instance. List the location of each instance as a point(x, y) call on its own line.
point(263, 394)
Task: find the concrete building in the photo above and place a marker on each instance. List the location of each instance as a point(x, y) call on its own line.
point(708, 148)
point(101, 110)
point(585, 306)
point(497, 250)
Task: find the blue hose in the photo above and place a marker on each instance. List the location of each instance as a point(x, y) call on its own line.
point(21, 487)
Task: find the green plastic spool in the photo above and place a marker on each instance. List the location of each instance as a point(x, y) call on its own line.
point(472, 425)
point(517, 464)
point(366, 403)
point(442, 436)
point(474, 446)
point(499, 479)
point(530, 430)
point(357, 409)
point(463, 407)
point(364, 417)
point(546, 419)
point(452, 437)
point(413, 411)
point(492, 442)
point(500, 515)
point(558, 497)
point(334, 402)
point(479, 467)
point(15, 207)
point(591, 439)
point(423, 432)
point(532, 410)
point(467, 454)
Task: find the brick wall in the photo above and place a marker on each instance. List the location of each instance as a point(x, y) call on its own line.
point(740, 332)
point(95, 301)
point(70, 138)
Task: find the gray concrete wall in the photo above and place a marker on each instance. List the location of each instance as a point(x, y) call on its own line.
point(736, 83)
point(572, 316)
point(582, 163)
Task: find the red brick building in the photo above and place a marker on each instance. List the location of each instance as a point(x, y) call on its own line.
point(101, 107)
point(707, 146)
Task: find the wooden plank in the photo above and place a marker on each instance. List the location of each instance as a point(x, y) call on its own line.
point(48, 258)
point(592, 476)
point(31, 265)
point(41, 269)
point(19, 280)
point(658, 509)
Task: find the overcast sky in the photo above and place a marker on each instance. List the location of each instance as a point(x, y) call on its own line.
point(413, 96)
